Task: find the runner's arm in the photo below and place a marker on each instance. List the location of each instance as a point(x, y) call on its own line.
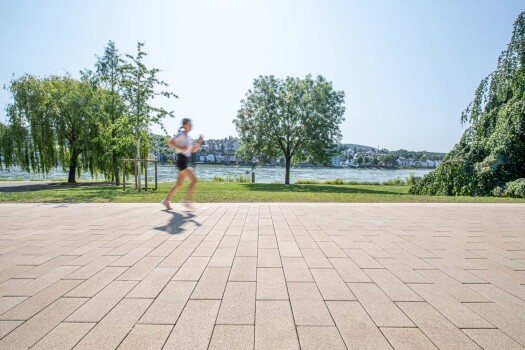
point(196, 147)
point(172, 144)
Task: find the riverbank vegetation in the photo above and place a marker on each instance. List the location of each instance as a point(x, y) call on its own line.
point(489, 160)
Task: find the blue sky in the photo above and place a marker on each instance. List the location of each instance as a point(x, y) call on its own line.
point(408, 67)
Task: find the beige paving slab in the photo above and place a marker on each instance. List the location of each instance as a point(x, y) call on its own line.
point(268, 257)
point(274, 325)
point(7, 303)
point(153, 283)
point(192, 269)
point(355, 326)
point(232, 337)
point(141, 269)
point(320, 338)
point(244, 269)
point(402, 271)
point(39, 301)
point(96, 283)
point(331, 285)
point(30, 332)
point(247, 248)
point(168, 306)
point(146, 337)
point(510, 302)
point(212, 283)
point(115, 326)
point(271, 284)
point(223, 257)
point(44, 281)
point(195, 326)
point(98, 306)
point(492, 339)
point(289, 249)
point(309, 308)
point(393, 287)
point(315, 259)
point(505, 321)
point(349, 271)
point(452, 309)
point(7, 327)
point(407, 339)
point(443, 333)
point(381, 309)
point(363, 259)
point(238, 304)
point(64, 336)
point(296, 270)
point(459, 291)
point(331, 250)
point(92, 268)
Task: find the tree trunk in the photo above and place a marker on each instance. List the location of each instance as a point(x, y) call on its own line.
point(115, 167)
point(287, 176)
point(139, 178)
point(73, 162)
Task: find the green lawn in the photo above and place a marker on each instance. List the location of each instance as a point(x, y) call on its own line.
point(238, 192)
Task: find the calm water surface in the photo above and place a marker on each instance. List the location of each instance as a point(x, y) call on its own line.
point(262, 174)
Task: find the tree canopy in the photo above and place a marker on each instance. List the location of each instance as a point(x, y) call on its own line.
point(295, 118)
point(84, 124)
point(52, 121)
point(490, 156)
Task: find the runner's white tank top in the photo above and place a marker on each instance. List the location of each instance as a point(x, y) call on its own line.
point(182, 140)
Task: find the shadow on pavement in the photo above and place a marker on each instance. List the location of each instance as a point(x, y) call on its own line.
point(174, 226)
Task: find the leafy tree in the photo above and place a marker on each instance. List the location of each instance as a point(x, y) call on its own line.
point(116, 133)
point(141, 86)
point(491, 153)
point(52, 120)
point(375, 161)
point(388, 160)
point(360, 160)
point(296, 118)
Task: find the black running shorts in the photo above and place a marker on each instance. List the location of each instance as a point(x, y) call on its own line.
point(182, 161)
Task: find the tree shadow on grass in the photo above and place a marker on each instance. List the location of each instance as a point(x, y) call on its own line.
point(177, 220)
point(317, 189)
point(40, 186)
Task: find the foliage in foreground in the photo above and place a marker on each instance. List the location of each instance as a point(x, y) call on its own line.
point(84, 124)
point(490, 157)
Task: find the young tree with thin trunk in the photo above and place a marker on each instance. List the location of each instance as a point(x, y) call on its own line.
point(109, 76)
point(296, 118)
point(141, 86)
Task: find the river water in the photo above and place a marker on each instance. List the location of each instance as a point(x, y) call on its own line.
point(168, 173)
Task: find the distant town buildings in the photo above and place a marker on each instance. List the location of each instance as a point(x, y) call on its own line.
point(223, 151)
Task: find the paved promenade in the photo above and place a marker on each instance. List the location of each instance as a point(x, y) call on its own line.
point(263, 276)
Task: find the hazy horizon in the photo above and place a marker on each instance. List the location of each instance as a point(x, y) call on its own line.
point(408, 68)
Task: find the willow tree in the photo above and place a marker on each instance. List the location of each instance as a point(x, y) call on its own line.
point(296, 118)
point(141, 86)
point(490, 157)
point(51, 122)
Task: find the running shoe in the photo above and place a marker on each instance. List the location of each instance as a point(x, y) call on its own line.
point(166, 203)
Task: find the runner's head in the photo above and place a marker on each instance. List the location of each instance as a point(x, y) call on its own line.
point(186, 125)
